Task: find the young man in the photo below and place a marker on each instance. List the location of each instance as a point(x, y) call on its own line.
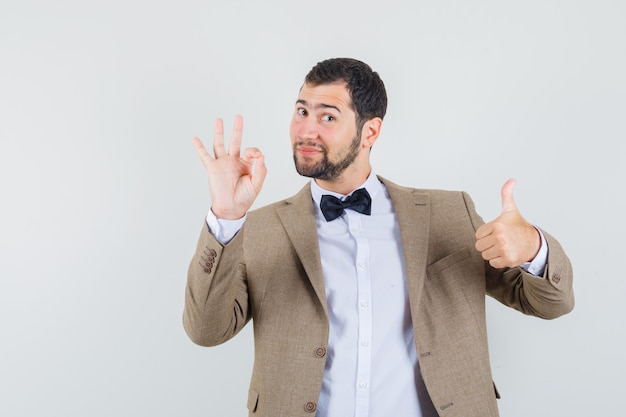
point(367, 298)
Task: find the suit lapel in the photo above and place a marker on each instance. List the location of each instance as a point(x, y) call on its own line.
point(298, 219)
point(412, 208)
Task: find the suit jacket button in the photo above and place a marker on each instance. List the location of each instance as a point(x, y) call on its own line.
point(212, 253)
point(310, 407)
point(556, 278)
point(320, 352)
point(207, 270)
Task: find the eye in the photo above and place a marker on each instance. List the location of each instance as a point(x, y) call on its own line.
point(328, 118)
point(300, 111)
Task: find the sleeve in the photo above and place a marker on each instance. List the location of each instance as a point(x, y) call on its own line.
point(224, 230)
point(548, 297)
point(216, 296)
point(537, 266)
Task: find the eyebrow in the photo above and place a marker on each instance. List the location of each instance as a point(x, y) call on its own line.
point(318, 106)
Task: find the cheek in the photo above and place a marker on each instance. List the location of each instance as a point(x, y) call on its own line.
point(294, 127)
point(292, 132)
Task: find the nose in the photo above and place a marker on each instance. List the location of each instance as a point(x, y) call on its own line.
point(305, 128)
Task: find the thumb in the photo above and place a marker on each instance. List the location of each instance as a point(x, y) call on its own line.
point(508, 203)
point(259, 172)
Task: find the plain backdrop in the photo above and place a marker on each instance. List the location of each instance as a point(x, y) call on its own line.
point(103, 196)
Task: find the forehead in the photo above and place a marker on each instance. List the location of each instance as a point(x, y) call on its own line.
point(333, 94)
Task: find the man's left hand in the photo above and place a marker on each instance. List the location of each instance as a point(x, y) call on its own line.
point(508, 241)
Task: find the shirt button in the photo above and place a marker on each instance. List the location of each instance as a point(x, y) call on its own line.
point(310, 407)
point(363, 385)
point(361, 264)
point(365, 343)
point(364, 304)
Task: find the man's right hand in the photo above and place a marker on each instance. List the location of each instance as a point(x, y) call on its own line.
point(235, 180)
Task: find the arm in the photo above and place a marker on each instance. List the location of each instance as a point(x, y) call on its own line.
point(548, 297)
point(508, 242)
point(216, 298)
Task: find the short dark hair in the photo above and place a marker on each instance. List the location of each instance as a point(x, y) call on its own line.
point(365, 87)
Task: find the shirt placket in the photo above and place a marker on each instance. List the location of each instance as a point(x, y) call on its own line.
point(364, 314)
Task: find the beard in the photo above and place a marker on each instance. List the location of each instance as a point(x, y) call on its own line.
point(325, 169)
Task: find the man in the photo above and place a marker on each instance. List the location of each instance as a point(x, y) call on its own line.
point(367, 298)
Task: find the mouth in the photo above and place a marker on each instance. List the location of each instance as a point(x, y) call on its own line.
point(308, 150)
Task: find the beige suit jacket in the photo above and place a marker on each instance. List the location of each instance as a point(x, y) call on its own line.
point(271, 273)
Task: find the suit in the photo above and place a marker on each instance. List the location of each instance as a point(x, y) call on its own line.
point(271, 273)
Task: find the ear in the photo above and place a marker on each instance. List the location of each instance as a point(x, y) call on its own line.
point(370, 131)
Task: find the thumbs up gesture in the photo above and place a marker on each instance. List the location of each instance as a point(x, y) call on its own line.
point(508, 241)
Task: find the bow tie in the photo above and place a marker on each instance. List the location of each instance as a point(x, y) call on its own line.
point(332, 207)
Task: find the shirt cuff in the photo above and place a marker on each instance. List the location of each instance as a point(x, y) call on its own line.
point(224, 230)
point(537, 266)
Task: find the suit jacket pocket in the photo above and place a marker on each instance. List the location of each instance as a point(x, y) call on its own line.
point(253, 400)
point(447, 261)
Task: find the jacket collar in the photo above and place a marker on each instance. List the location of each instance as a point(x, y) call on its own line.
point(412, 210)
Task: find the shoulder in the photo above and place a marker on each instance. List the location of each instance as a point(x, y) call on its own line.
point(300, 202)
point(444, 206)
point(434, 196)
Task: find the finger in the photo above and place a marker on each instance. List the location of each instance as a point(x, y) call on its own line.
point(498, 263)
point(491, 253)
point(484, 231)
point(204, 155)
point(256, 160)
point(494, 257)
point(218, 139)
point(508, 203)
point(258, 173)
point(482, 245)
point(250, 154)
point(234, 146)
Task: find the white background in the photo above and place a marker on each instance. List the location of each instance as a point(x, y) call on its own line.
point(103, 197)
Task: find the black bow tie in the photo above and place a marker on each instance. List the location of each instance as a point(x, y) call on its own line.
point(332, 207)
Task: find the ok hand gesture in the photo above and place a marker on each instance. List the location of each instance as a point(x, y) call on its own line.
point(508, 241)
point(235, 180)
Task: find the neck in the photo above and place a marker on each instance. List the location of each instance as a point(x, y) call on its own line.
point(347, 182)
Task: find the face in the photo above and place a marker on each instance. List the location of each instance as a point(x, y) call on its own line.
point(323, 132)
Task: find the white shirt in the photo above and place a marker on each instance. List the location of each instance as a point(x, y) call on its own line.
point(372, 367)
